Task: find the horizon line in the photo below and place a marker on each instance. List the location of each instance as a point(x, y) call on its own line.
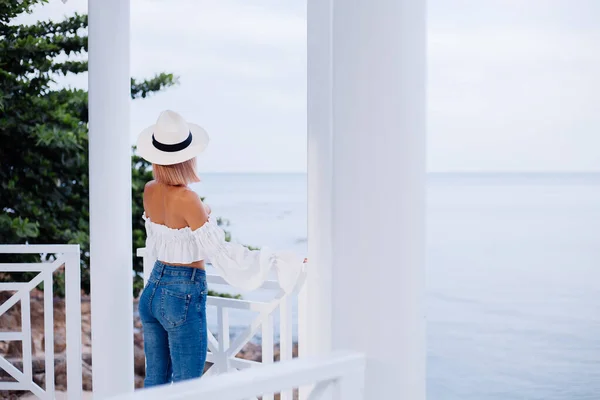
point(428, 172)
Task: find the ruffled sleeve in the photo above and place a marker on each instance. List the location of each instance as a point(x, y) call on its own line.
point(243, 268)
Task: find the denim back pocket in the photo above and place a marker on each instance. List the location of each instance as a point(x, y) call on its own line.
point(174, 306)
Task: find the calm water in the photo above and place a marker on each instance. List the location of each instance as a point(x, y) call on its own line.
point(513, 276)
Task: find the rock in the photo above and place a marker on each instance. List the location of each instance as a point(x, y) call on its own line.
point(138, 339)
point(40, 379)
point(277, 351)
point(38, 364)
point(60, 342)
point(250, 351)
point(139, 361)
point(15, 350)
point(87, 377)
point(207, 366)
point(87, 358)
point(139, 382)
point(86, 305)
point(60, 375)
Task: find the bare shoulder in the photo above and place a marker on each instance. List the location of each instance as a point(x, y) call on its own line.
point(150, 186)
point(191, 207)
point(187, 197)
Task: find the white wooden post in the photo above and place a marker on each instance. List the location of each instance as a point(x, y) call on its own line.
point(286, 348)
point(314, 300)
point(73, 323)
point(366, 127)
point(110, 197)
point(223, 326)
point(267, 346)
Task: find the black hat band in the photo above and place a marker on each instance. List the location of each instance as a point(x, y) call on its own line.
point(172, 148)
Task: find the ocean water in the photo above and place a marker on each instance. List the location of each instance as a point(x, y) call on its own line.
point(513, 276)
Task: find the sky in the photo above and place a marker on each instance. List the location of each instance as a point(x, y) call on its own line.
point(513, 85)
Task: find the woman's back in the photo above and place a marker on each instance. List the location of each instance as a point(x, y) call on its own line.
point(162, 204)
point(175, 207)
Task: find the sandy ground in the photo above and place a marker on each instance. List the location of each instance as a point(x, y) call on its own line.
point(60, 396)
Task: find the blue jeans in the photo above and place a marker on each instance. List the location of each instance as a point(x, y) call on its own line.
point(173, 314)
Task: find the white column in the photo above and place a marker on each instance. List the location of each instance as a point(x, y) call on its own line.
point(314, 309)
point(110, 198)
point(366, 102)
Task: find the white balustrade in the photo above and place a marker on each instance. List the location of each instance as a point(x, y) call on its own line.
point(63, 255)
point(343, 372)
point(222, 351)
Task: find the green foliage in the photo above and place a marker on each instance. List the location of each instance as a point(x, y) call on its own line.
point(43, 131)
point(225, 295)
point(44, 197)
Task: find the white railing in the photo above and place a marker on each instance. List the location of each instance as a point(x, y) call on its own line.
point(64, 255)
point(222, 352)
point(344, 373)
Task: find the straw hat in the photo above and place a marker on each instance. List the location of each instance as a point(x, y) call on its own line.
point(171, 140)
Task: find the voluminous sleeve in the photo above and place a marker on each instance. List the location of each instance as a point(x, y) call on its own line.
point(244, 268)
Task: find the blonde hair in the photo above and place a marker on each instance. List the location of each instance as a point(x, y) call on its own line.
point(177, 174)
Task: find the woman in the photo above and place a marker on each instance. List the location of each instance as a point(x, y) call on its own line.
point(181, 236)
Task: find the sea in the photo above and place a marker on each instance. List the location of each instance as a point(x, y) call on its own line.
point(513, 275)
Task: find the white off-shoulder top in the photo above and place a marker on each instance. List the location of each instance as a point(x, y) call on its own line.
point(242, 268)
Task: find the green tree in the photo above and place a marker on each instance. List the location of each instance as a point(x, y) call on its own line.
point(44, 135)
point(44, 139)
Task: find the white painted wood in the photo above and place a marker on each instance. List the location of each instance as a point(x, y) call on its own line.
point(11, 301)
point(351, 385)
point(14, 386)
point(23, 382)
point(12, 371)
point(233, 362)
point(110, 197)
point(286, 340)
point(303, 332)
point(36, 248)
point(255, 381)
point(73, 324)
point(249, 332)
point(11, 336)
point(267, 346)
point(315, 324)
point(318, 392)
point(21, 267)
point(26, 329)
point(13, 286)
point(67, 255)
point(39, 392)
point(366, 102)
point(314, 302)
point(213, 344)
point(49, 330)
point(223, 326)
point(222, 302)
point(212, 371)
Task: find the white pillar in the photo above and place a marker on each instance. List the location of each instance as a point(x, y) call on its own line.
point(110, 198)
point(314, 310)
point(366, 104)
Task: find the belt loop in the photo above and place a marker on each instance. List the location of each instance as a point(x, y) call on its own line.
point(194, 274)
point(162, 269)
